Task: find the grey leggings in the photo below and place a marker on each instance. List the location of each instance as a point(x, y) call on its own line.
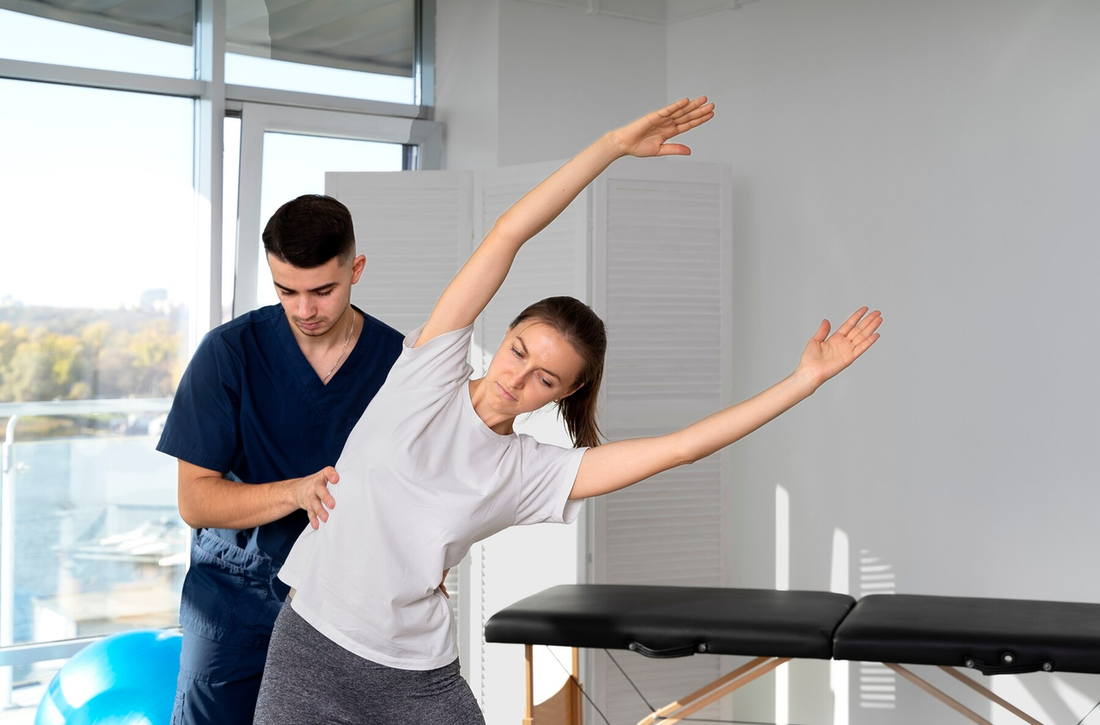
point(310, 679)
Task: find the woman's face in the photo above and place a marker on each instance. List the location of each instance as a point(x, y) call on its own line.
point(534, 366)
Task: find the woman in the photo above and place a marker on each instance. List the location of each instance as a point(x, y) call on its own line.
point(434, 465)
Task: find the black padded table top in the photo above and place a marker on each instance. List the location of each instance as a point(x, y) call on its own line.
point(675, 621)
point(961, 631)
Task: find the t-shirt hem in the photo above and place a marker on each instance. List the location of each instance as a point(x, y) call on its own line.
point(357, 648)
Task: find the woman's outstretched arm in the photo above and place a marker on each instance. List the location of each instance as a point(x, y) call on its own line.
point(480, 278)
point(619, 464)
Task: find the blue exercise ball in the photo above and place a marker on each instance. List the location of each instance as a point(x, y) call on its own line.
point(125, 679)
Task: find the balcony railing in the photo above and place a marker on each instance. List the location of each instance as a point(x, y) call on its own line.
point(90, 537)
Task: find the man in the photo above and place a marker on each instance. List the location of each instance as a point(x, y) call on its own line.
point(260, 416)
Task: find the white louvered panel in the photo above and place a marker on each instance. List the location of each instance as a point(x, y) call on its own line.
point(664, 291)
point(667, 530)
point(414, 228)
point(660, 681)
point(552, 263)
point(663, 531)
point(662, 277)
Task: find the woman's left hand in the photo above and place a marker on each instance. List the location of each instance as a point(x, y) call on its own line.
point(648, 135)
point(826, 355)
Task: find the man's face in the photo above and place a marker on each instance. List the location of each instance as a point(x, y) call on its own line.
point(315, 299)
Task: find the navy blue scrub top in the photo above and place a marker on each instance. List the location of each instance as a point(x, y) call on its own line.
point(250, 405)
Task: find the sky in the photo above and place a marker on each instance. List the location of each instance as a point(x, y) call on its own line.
point(96, 196)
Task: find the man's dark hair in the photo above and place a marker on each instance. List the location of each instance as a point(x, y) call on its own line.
point(309, 231)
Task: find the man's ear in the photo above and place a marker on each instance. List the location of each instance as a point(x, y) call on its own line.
point(357, 267)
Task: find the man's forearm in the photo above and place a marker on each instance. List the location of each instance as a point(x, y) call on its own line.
point(208, 500)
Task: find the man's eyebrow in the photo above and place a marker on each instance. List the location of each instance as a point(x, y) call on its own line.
point(523, 349)
point(322, 288)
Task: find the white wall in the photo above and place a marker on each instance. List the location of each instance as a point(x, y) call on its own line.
point(467, 89)
point(941, 161)
point(519, 81)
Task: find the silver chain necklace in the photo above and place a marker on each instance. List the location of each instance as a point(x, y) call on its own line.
point(351, 326)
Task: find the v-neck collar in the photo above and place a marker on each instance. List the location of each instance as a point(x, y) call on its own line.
point(303, 373)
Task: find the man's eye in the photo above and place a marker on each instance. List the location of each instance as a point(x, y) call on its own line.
point(517, 353)
point(326, 293)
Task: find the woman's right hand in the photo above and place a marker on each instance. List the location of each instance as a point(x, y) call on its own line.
point(648, 135)
point(311, 494)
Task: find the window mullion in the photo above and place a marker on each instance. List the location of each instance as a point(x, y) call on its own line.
point(209, 163)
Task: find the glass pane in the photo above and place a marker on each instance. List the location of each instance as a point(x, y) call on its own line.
point(161, 45)
point(247, 70)
point(231, 183)
point(365, 49)
point(98, 240)
point(294, 165)
point(27, 684)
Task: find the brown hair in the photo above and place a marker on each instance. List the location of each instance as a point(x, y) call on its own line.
point(309, 231)
point(584, 330)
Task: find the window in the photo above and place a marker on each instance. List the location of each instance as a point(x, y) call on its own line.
point(365, 49)
point(74, 38)
point(113, 262)
point(98, 229)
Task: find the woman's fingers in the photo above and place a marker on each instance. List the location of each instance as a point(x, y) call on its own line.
point(851, 322)
point(673, 149)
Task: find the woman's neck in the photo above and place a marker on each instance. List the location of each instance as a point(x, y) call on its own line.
point(498, 422)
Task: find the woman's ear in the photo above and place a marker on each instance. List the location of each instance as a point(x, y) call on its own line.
point(569, 393)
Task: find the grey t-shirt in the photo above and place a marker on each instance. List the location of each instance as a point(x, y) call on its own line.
point(422, 478)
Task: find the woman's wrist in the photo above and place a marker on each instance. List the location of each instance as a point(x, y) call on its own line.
point(805, 381)
point(615, 144)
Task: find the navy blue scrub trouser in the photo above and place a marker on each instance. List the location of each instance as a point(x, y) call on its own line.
point(218, 682)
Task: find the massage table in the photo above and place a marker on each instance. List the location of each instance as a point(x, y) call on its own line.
point(992, 636)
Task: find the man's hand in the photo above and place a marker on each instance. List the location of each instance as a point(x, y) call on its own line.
point(311, 493)
point(442, 586)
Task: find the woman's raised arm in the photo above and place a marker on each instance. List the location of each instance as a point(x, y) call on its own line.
point(480, 278)
point(619, 464)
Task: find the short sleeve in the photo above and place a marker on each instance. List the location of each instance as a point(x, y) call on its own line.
point(440, 361)
point(548, 475)
point(202, 424)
